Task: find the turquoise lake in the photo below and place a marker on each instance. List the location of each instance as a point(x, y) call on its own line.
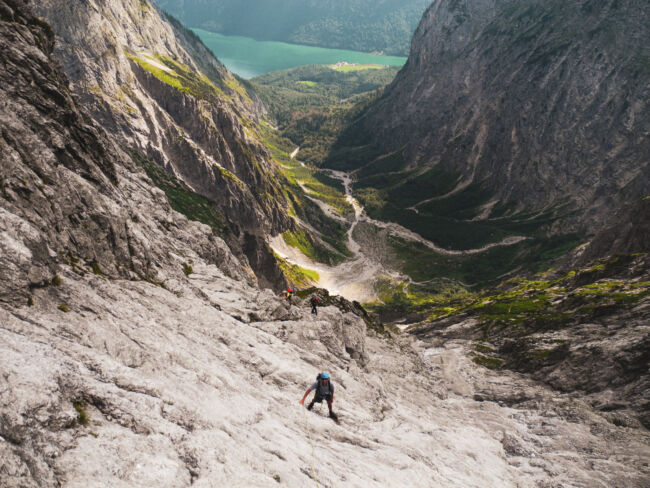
point(249, 58)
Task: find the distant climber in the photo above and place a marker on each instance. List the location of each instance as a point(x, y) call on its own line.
point(314, 304)
point(287, 294)
point(324, 391)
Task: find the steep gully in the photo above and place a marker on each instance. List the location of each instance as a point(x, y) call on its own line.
point(354, 279)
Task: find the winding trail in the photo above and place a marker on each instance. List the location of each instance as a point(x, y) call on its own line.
point(355, 278)
point(407, 234)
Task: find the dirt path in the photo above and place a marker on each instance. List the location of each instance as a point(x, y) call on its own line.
point(355, 278)
point(407, 234)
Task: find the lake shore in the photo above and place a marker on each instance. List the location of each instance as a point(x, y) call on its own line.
point(248, 57)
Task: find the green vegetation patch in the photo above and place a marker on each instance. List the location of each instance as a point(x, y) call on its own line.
point(178, 75)
point(483, 348)
point(488, 362)
point(541, 304)
point(301, 240)
point(347, 68)
point(82, 416)
point(94, 265)
point(405, 298)
point(182, 198)
point(297, 275)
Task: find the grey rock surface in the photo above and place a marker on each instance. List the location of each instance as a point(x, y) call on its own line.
point(179, 393)
point(69, 194)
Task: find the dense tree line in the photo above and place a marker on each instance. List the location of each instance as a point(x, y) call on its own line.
point(312, 104)
point(362, 25)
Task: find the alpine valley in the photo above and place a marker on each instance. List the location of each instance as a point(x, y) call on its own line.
point(476, 227)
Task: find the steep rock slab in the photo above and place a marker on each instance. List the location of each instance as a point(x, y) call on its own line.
point(137, 385)
point(108, 379)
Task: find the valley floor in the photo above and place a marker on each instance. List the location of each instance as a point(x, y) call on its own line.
point(356, 278)
point(143, 386)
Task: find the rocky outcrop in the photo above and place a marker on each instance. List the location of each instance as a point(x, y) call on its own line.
point(541, 102)
point(155, 88)
point(628, 232)
point(70, 196)
point(585, 332)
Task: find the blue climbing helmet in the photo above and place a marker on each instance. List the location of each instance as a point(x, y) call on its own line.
point(324, 376)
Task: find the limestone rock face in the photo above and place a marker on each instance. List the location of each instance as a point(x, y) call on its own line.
point(137, 385)
point(542, 102)
point(159, 92)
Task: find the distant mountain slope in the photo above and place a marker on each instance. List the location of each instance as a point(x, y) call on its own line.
point(361, 25)
point(517, 107)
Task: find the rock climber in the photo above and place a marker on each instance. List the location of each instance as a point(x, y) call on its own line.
point(314, 304)
point(324, 391)
point(287, 294)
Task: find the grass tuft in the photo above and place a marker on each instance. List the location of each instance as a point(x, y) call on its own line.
point(490, 363)
point(82, 416)
point(94, 265)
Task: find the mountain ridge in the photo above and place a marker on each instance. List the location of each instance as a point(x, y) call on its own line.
point(387, 24)
point(138, 74)
point(521, 107)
